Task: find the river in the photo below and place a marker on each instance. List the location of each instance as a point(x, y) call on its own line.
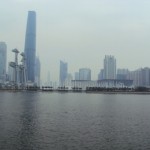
point(74, 121)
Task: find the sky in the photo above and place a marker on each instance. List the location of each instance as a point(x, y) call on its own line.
point(80, 32)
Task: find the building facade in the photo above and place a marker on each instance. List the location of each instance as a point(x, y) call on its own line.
point(63, 73)
point(84, 74)
point(140, 77)
point(101, 74)
point(3, 60)
point(122, 74)
point(109, 67)
point(30, 46)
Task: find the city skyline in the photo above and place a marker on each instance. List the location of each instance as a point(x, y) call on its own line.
point(83, 36)
point(138, 77)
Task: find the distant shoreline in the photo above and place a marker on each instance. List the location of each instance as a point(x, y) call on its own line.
point(83, 91)
point(118, 92)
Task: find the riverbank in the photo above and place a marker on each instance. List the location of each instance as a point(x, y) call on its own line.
point(77, 91)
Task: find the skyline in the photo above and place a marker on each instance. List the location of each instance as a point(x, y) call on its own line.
point(83, 36)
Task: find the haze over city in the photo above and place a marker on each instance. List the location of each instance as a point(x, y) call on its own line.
point(80, 32)
point(75, 74)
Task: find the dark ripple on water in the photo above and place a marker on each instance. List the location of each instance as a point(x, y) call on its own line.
point(74, 121)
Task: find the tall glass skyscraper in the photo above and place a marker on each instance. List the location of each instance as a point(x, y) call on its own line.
point(3, 57)
point(63, 73)
point(30, 45)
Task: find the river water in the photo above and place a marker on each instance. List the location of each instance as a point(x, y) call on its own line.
point(74, 121)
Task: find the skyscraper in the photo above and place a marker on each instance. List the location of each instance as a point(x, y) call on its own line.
point(30, 45)
point(3, 57)
point(101, 75)
point(63, 72)
point(109, 67)
point(122, 74)
point(84, 74)
point(140, 77)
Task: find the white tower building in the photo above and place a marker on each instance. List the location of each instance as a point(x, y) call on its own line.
point(109, 67)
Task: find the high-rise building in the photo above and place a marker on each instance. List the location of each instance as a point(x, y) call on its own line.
point(63, 73)
point(11, 74)
point(3, 57)
point(122, 74)
point(101, 74)
point(109, 67)
point(30, 45)
point(84, 74)
point(145, 76)
point(140, 77)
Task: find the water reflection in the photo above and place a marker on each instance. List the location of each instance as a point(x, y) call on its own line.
point(28, 122)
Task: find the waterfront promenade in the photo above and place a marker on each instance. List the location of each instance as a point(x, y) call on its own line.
point(138, 90)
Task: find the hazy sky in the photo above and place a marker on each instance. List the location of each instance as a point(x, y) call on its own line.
point(81, 32)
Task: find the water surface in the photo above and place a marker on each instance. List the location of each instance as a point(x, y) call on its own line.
point(74, 121)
